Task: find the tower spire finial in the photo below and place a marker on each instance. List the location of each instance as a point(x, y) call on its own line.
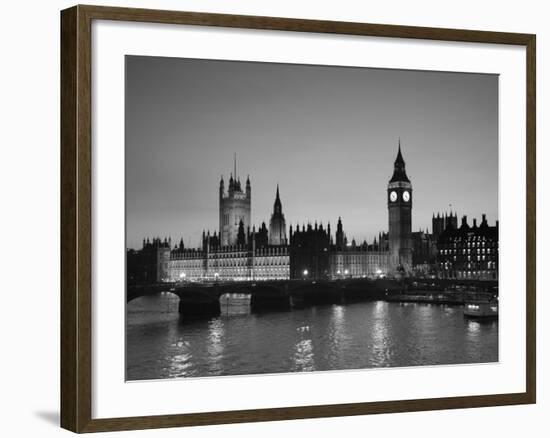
point(235, 164)
point(399, 173)
point(399, 158)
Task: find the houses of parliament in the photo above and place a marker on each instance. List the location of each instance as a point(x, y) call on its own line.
point(240, 251)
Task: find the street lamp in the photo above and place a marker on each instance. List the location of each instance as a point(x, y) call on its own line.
point(182, 276)
point(216, 275)
point(305, 273)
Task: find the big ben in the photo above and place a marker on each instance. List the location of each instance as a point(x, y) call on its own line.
point(399, 213)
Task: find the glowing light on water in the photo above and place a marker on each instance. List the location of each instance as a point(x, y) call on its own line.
point(215, 345)
point(303, 356)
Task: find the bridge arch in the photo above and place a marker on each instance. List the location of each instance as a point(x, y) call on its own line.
point(311, 293)
point(133, 292)
point(198, 304)
point(269, 296)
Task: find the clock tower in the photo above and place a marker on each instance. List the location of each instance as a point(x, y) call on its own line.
point(399, 213)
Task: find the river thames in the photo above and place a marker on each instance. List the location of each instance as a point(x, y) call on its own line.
point(160, 345)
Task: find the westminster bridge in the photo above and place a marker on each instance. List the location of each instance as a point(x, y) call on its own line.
point(201, 299)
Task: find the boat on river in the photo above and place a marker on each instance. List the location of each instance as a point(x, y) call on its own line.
point(481, 309)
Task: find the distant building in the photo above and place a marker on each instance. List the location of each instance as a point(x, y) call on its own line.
point(237, 262)
point(424, 256)
point(261, 236)
point(234, 209)
point(313, 255)
point(309, 252)
point(238, 251)
point(441, 222)
point(277, 224)
point(399, 195)
point(250, 257)
point(349, 260)
point(150, 264)
point(341, 239)
point(468, 252)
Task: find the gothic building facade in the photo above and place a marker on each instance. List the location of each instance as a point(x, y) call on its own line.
point(235, 206)
point(442, 221)
point(242, 251)
point(234, 262)
point(350, 260)
point(238, 252)
point(309, 252)
point(150, 264)
point(468, 252)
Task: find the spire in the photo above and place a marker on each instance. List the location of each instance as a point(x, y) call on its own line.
point(235, 164)
point(277, 207)
point(399, 173)
point(399, 158)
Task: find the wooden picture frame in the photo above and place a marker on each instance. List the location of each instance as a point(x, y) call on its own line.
point(76, 217)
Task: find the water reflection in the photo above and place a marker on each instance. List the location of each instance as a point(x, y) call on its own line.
point(303, 356)
point(351, 336)
point(381, 348)
point(337, 338)
point(215, 345)
point(473, 328)
point(181, 363)
point(338, 322)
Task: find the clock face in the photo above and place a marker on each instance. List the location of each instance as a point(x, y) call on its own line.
point(393, 196)
point(406, 196)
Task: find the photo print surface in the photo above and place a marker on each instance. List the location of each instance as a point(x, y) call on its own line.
point(287, 218)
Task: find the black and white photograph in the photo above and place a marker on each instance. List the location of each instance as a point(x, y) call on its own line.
point(285, 218)
point(275, 219)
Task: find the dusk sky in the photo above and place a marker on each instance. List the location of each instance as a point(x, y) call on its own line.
point(327, 135)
